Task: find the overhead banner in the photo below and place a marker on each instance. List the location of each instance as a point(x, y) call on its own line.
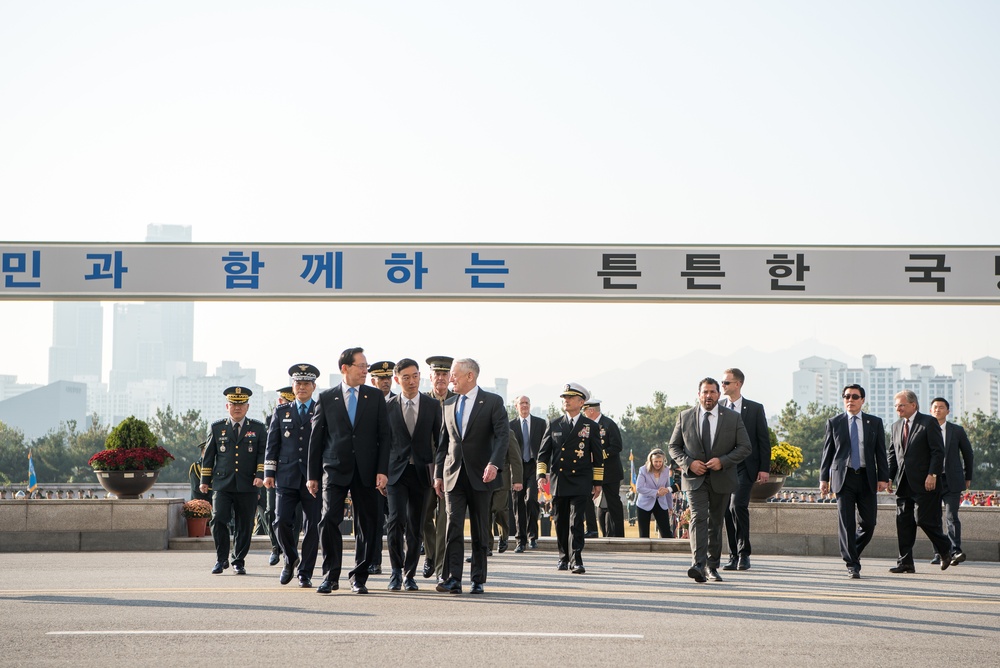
point(513, 272)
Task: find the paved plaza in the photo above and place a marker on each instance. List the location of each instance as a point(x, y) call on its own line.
point(629, 609)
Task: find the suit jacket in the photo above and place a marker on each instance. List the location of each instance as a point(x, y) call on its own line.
point(731, 446)
point(837, 451)
point(957, 451)
point(486, 439)
point(420, 445)
point(336, 448)
point(646, 488)
point(536, 428)
point(611, 443)
point(572, 458)
point(760, 439)
point(924, 452)
point(287, 455)
point(231, 465)
point(513, 470)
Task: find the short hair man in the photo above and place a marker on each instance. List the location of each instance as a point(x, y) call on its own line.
point(610, 519)
point(528, 430)
point(707, 444)
point(915, 462)
point(854, 461)
point(958, 467)
point(234, 481)
point(435, 513)
point(381, 377)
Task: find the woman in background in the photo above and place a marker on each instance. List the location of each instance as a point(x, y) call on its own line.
point(655, 494)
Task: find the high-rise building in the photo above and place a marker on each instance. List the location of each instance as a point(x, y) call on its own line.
point(77, 342)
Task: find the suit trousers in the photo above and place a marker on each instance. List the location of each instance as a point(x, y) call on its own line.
point(463, 497)
point(435, 525)
point(708, 516)
point(264, 521)
point(242, 507)
point(857, 511)
point(590, 513)
point(738, 516)
point(365, 505)
point(526, 505)
point(289, 500)
point(500, 515)
point(612, 520)
point(381, 517)
point(928, 517)
point(952, 501)
point(568, 514)
point(406, 499)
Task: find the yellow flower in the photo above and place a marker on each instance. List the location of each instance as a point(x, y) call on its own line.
point(785, 458)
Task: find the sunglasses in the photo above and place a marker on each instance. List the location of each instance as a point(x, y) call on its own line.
point(853, 397)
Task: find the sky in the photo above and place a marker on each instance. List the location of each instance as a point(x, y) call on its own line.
point(842, 123)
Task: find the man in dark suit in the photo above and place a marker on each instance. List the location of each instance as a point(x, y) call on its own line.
point(234, 481)
point(571, 460)
point(610, 519)
point(915, 462)
point(286, 470)
point(472, 449)
point(528, 431)
point(755, 468)
point(707, 444)
point(854, 461)
point(958, 465)
point(349, 451)
point(415, 423)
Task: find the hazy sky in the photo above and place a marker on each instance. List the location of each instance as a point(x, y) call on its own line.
point(556, 122)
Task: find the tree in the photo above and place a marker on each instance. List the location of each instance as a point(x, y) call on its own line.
point(648, 427)
point(807, 431)
point(13, 455)
point(180, 435)
point(984, 434)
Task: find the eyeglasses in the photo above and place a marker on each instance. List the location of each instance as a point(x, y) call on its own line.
point(360, 365)
point(852, 397)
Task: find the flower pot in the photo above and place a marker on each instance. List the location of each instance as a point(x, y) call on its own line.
point(196, 526)
point(126, 484)
point(762, 491)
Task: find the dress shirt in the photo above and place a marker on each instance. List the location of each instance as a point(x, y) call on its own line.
point(861, 436)
point(713, 422)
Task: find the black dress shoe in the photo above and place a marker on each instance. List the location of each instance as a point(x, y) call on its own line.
point(957, 558)
point(305, 582)
point(409, 584)
point(743, 564)
point(590, 534)
point(562, 566)
point(903, 568)
point(428, 568)
point(697, 574)
point(327, 586)
point(532, 544)
point(374, 569)
point(273, 560)
point(219, 567)
point(395, 580)
point(477, 588)
point(936, 560)
point(450, 586)
point(489, 552)
point(945, 563)
point(287, 571)
point(730, 565)
point(713, 575)
point(502, 547)
point(238, 569)
point(421, 549)
point(578, 568)
point(852, 574)
point(519, 548)
point(358, 587)
point(468, 560)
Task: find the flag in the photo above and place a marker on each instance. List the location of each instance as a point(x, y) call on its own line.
point(631, 463)
point(32, 480)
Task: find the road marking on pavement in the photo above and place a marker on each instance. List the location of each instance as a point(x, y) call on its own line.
point(239, 632)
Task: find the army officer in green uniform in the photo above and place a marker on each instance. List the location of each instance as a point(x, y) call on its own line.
point(233, 467)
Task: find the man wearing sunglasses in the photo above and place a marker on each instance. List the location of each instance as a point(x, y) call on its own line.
point(854, 461)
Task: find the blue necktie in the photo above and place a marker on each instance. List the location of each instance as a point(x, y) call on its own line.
point(302, 411)
point(855, 444)
point(459, 413)
point(526, 454)
point(352, 404)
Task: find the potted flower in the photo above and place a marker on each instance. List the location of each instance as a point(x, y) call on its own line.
point(197, 512)
point(785, 460)
point(131, 460)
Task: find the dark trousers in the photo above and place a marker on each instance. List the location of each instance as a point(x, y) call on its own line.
point(662, 516)
point(463, 497)
point(857, 512)
point(612, 519)
point(526, 505)
point(738, 516)
point(708, 513)
point(568, 513)
point(381, 516)
point(365, 505)
point(590, 514)
point(242, 507)
point(407, 499)
point(928, 517)
point(289, 499)
point(952, 501)
point(500, 516)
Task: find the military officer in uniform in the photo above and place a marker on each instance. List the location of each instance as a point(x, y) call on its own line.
point(571, 460)
point(194, 475)
point(381, 378)
point(286, 462)
point(267, 503)
point(435, 515)
point(233, 466)
point(611, 520)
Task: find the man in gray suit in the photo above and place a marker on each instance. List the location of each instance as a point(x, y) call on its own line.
point(708, 442)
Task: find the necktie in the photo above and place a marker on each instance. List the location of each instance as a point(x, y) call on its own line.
point(855, 444)
point(526, 448)
point(302, 411)
point(706, 436)
point(410, 416)
point(352, 404)
point(236, 429)
point(459, 413)
point(906, 434)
